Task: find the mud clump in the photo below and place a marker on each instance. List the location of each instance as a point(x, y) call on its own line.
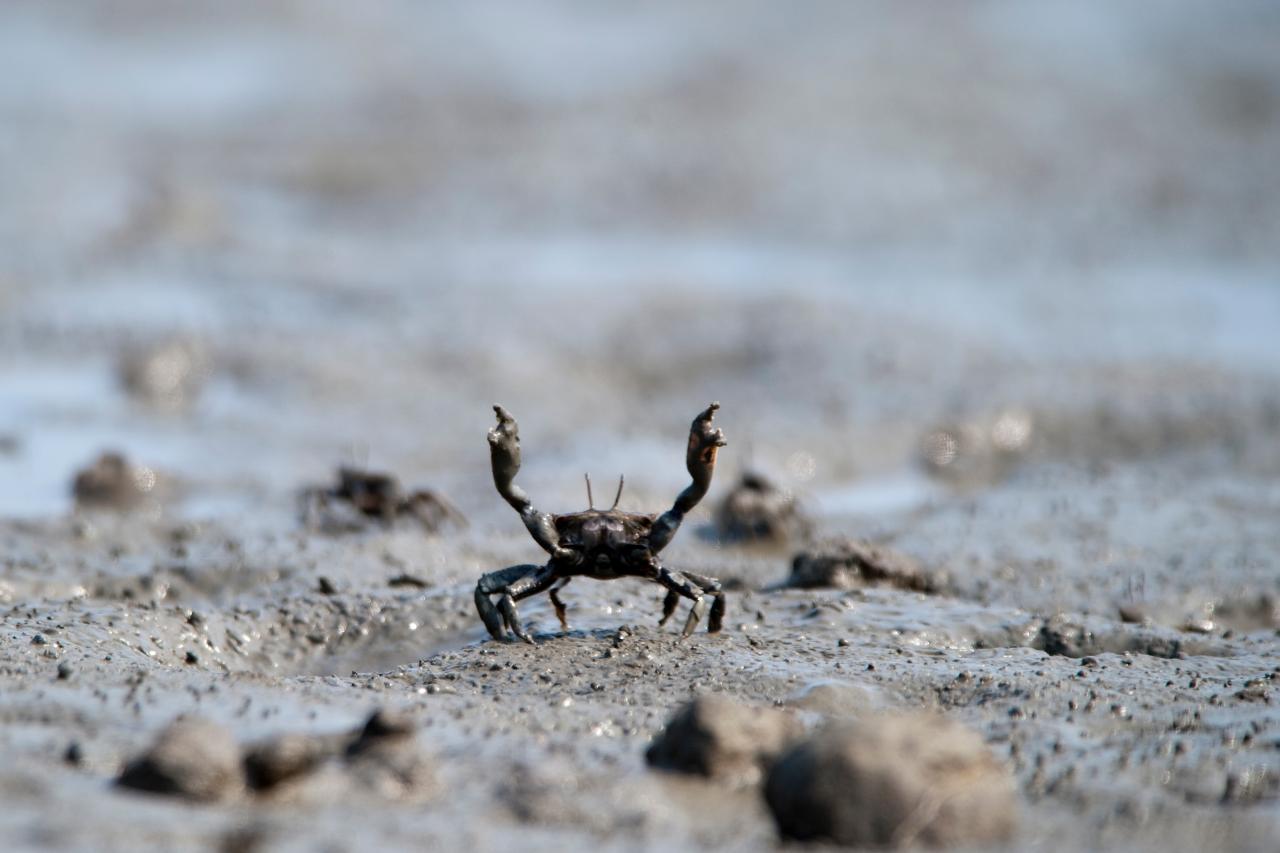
point(283, 759)
point(1255, 690)
point(1060, 635)
point(201, 761)
point(1249, 613)
point(386, 758)
point(719, 738)
point(192, 758)
point(851, 563)
point(893, 781)
point(756, 510)
point(112, 483)
point(360, 497)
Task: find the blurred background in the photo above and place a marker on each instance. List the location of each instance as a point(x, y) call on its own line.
point(907, 246)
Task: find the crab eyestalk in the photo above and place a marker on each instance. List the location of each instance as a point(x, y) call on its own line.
point(700, 460)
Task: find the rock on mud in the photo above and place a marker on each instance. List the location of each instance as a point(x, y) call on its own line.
point(851, 563)
point(717, 737)
point(756, 510)
point(192, 758)
point(893, 781)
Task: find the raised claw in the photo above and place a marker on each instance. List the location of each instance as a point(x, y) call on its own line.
point(700, 460)
point(704, 441)
point(504, 457)
point(506, 435)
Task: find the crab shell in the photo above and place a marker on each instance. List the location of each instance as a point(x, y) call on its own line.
point(606, 539)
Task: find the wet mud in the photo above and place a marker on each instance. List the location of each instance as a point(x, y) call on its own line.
point(1110, 728)
point(1017, 405)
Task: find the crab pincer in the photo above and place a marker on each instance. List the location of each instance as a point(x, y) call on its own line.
point(704, 441)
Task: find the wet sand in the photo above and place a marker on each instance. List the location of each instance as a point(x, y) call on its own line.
point(1018, 327)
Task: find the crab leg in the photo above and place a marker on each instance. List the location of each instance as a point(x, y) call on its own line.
point(700, 460)
point(693, 587)
point(491, 583)
point(711, 586)
point(669, 606)
point(554, 595)
point(539, 581)
point(504, 456)
point(513, 584)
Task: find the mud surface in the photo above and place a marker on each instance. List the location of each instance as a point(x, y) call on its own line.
point(992, 287)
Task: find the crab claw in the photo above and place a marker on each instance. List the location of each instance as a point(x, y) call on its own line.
point(504, 448)
point(704, 441)
point(507, 428)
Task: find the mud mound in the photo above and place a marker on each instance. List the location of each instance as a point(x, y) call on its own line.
point(200, 760)
point(193, 758)
point(279, 760)
point(113, 483)
point(756, 510)
point(717, 737)
point(384, 758)
point(893, 781)
point(851, 563)
point(360, 498)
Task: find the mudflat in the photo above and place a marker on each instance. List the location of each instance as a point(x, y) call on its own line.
point(988, 298)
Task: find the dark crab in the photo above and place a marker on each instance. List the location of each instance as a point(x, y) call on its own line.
point(598, 543)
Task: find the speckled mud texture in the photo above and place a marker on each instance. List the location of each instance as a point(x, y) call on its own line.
point(988, 292)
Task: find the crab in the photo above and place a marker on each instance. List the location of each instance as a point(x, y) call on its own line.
point(604, 544)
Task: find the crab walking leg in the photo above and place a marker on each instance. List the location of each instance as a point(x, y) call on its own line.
point(531, 584)
point(679, 584)
point(494, 582)
point(511, 585)
point(504, 456)
point(669, 606)
point(700, 460)
point(711, 586)
point(554, 595)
